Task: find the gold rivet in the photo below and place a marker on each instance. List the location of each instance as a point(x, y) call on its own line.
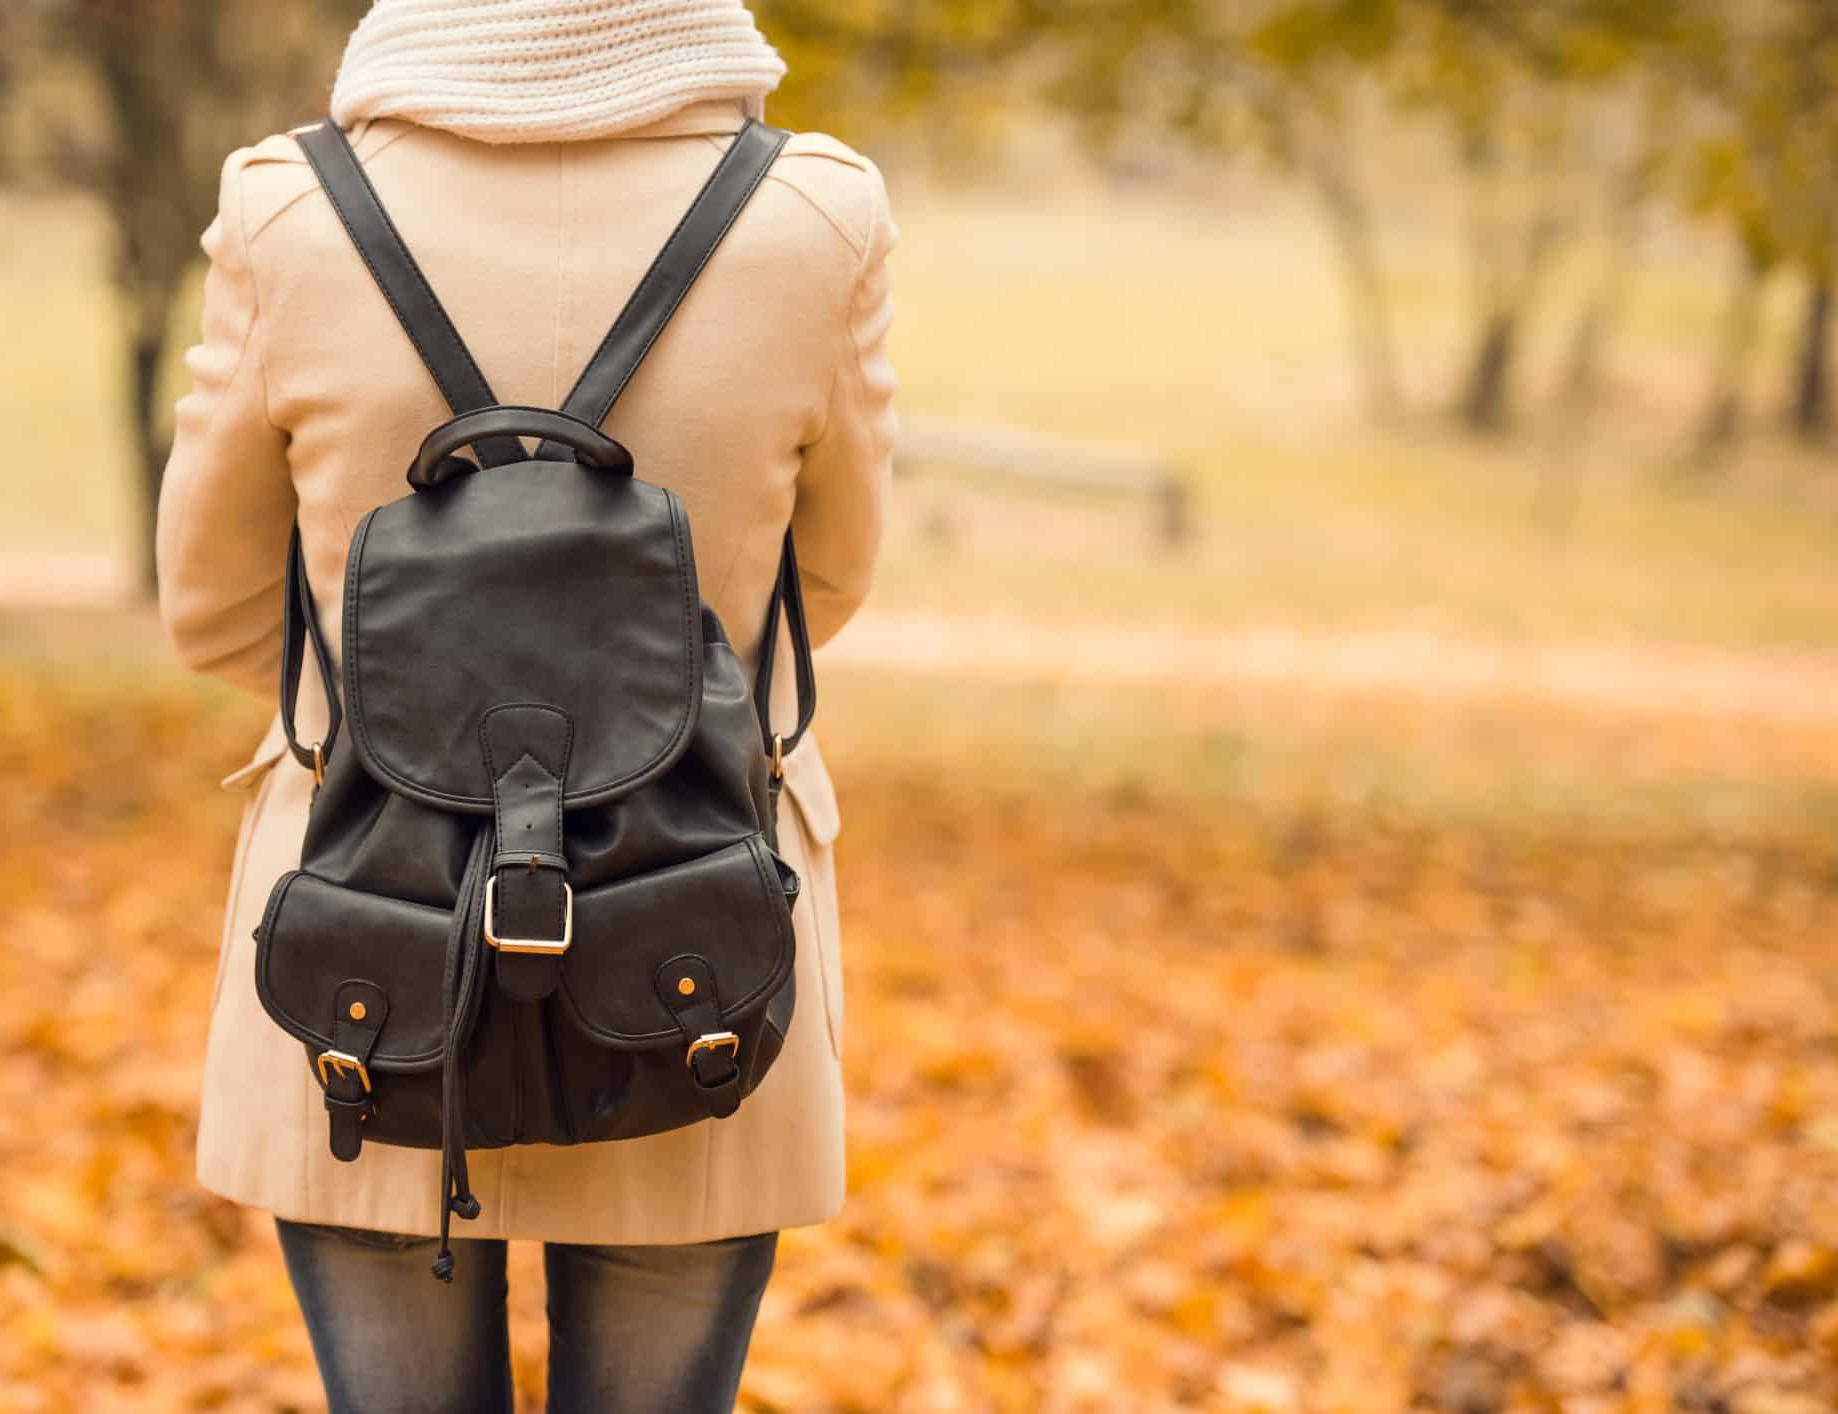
point(686, 985)
point(357, 1011)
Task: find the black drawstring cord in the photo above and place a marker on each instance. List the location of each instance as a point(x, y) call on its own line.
point(465, 940)
point(443, 1256)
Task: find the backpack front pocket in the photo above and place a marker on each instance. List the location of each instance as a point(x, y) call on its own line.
point(726, 915)
point(315, 937)
point(697, 954)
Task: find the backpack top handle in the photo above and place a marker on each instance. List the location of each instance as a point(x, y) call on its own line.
point(436, 463)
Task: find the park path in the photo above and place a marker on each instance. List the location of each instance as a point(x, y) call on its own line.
point(1639, 679)
point(1632, 678)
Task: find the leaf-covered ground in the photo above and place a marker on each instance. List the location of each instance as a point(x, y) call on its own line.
point(1153, 1106)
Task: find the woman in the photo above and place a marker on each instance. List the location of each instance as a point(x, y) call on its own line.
point(535, 154)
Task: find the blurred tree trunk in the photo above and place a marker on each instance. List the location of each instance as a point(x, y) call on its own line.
point(1508, 274)
point(1586, 356)
point(1721, 422)
point(157, 203)
point(1811, 411)
point(1484, 396)
point(137, 105)
point(1316, 143)
point(146, 357)
point(1349, 220)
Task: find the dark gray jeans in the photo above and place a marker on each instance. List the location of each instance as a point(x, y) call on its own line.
point(632, 1330)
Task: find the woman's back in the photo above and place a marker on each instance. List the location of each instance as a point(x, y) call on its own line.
point(535, 157)
point(769, 386)
point(766, 400)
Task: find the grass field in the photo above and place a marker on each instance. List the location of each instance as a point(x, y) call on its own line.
point(1225, 351)
point(1043, 309)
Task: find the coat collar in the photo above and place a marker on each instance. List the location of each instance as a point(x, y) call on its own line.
point(716, 117)
point(712, 117)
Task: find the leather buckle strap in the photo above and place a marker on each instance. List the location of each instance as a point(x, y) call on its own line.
point(552, 947)
point(686, 986)
point(341, 1064)
point(712, 1042)
point(359, 1009)
point(528, 914)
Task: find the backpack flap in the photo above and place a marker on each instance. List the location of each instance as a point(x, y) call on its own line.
point(541, 583)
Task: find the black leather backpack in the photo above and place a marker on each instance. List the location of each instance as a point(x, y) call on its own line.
point(539, 900)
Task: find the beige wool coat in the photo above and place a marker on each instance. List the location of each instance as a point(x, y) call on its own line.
point(768, 399)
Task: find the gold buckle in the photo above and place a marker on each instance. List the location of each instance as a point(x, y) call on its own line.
point(550, 946)
point(713, 1041)
point(343, 1063)
point(778, 757)
point(318, 764)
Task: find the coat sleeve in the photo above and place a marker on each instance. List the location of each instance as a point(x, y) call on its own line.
point(843, 482)
point(226, 504)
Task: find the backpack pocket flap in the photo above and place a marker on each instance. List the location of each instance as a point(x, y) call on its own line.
point(316, 936)
point(729, 909)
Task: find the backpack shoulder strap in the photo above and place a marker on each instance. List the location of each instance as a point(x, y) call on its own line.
point(713, 213)
point(440, 347)
point(387, 257)
point(691, 245)
point(726, 193)
point(299, 631)
point(787, 599)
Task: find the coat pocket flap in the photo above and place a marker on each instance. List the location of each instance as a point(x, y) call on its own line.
point(273, 747)
point(315, 936)
point(807, 782)
point(730, 908)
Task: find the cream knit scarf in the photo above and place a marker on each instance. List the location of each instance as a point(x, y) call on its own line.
point(549, 70)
